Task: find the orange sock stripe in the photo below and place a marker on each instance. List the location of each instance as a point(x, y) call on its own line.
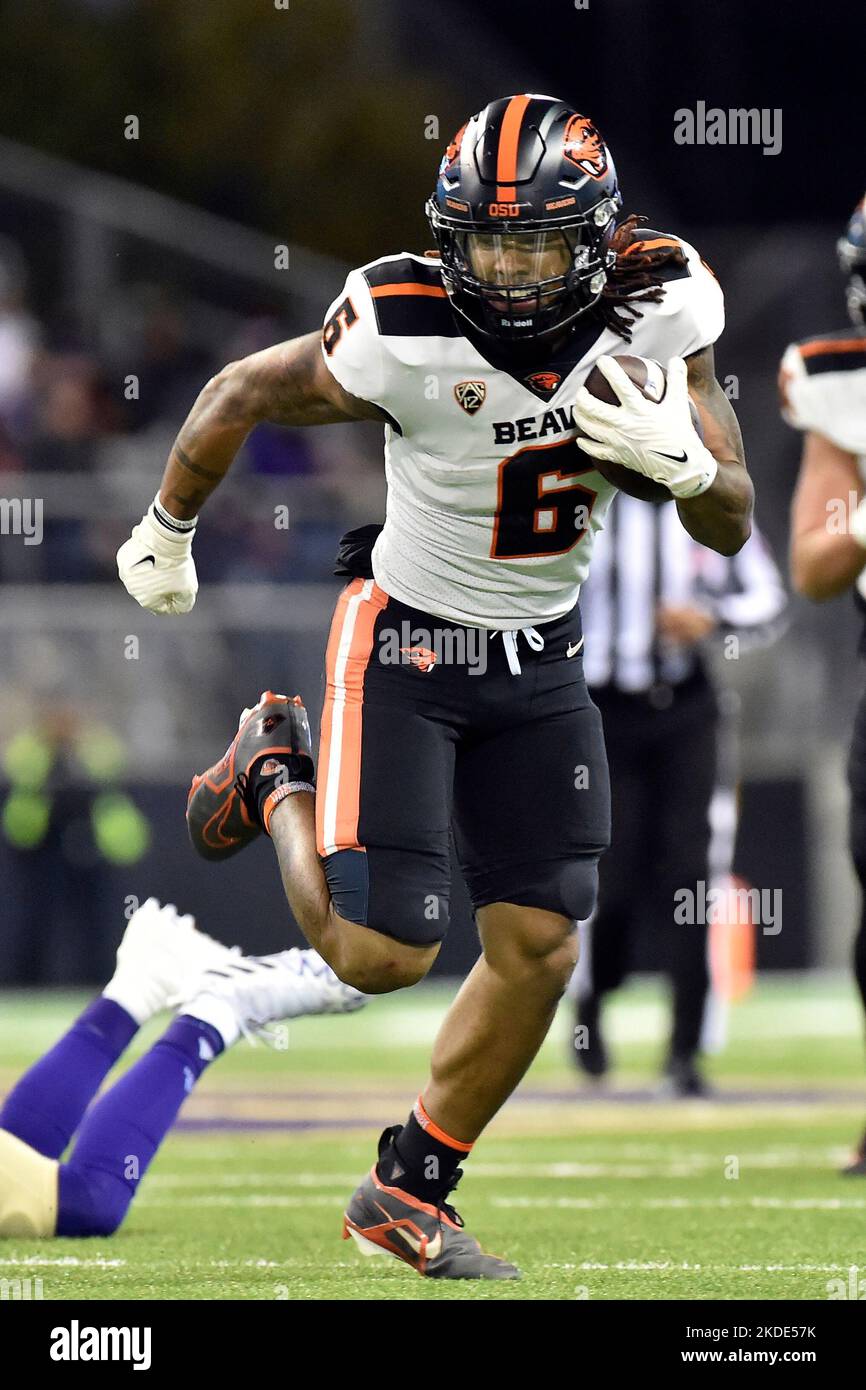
point(431, 1128)
point(272, 801)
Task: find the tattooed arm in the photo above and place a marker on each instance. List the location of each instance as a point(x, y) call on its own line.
point(288, 384)
point(721, 517)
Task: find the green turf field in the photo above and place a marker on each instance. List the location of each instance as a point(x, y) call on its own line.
point(615, 1196)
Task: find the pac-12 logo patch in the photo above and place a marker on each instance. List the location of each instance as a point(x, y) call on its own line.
point(545, 383)
point(470, 395)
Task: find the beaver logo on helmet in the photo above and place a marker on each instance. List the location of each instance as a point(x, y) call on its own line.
point(452, 152)
point(583, 145)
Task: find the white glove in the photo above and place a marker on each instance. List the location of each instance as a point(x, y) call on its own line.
point(655, 438)
point(156, 565)
point(857, 524)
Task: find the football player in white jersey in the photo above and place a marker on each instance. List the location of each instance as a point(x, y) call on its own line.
point(822, 383)
point(455, 691)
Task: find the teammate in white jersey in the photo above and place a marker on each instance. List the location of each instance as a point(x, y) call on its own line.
point(822, 383)
point(455, 693)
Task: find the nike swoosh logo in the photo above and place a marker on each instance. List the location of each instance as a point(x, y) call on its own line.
point(146, 560)
point(675, 458)
point(434, 1246)
point(573, 648)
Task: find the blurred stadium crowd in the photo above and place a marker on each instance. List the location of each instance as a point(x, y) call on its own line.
point(78, 406)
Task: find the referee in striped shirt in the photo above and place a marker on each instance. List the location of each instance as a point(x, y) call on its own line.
point(653, 599)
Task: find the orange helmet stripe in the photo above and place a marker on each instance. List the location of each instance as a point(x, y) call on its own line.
point(506, 155)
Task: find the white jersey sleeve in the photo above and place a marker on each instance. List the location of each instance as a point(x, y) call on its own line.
point(822, 386)
point(691, 314)
point(351, 344)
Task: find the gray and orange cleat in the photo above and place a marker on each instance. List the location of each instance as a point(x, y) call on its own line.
point(386, 1220)
point(269, 757)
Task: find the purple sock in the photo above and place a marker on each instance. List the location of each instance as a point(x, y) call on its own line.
point(45, 1108)
point(126, 1126)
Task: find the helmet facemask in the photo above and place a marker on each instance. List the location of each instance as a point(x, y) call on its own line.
point(855, 298)
point(852, 260)
point(526, 285)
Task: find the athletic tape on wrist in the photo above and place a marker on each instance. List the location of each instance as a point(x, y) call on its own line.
point(172, 523)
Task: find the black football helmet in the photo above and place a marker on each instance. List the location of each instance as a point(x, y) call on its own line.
point(523, 214)
point(851, 249)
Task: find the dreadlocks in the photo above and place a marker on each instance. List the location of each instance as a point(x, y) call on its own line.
point(634, 278)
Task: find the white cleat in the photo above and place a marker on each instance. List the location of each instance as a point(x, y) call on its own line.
point(245, 993)
point(159, 960)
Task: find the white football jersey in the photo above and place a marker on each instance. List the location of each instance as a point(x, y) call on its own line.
point(492, 507)
point(822, 384)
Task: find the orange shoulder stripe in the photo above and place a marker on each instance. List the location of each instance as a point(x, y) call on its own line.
point(384, 291)
point(648, 245)
point(833, 345)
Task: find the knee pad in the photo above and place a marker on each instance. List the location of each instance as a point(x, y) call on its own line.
point(566, 886)
point(397, 893)
point(28, 1190)
point(578, 888)
point(93, 1202)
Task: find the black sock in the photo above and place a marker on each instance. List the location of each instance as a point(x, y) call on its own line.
point(266, 774)
point(420, 1159)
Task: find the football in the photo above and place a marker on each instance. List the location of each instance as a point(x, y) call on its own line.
point(650, 378)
